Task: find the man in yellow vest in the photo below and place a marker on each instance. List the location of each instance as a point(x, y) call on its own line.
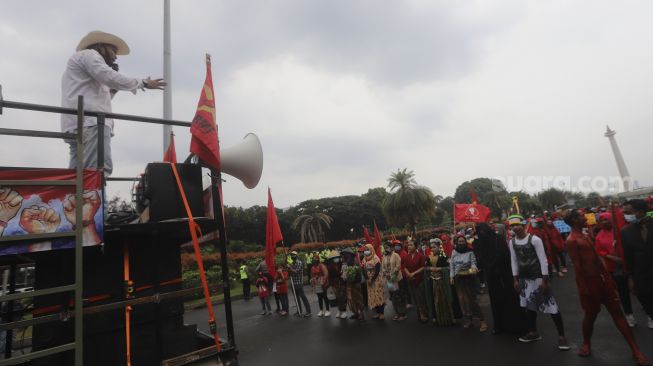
point(244, 279)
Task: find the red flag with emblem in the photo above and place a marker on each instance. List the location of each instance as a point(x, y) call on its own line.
point(171, 155)
point(471, 213)
point(204, 142)
point(272, 236)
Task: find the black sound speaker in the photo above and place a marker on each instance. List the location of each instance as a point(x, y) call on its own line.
point(161, 193)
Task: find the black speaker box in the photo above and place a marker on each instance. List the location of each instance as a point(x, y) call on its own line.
point(161, 190)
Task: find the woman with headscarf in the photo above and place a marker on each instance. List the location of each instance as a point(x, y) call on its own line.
point(492, 247)
point(606, 248)
point(391, 269)
point(463, 272)
point(319, 281)
point(414, 271)
point(438, 267)
point(352, 275)
point(375, 290)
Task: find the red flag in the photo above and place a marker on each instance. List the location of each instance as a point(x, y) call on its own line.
point(377, 241)
point(366, 233)
point(618, 223)
point(471, 213)
point(171, 155)
point(272, 236)
point(472, 192)
point(204, 142)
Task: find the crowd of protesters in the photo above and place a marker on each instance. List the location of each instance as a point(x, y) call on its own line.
point(442, 275)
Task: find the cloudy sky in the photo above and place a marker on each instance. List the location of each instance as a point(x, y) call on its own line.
point(343, 93)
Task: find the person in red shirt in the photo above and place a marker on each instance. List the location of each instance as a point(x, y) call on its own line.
point(558, 246)
point(606, 248)
point(414, 263)
point(595, 287)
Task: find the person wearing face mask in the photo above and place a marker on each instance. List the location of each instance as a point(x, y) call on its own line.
point(606, 247)
point(319, 281)
point(595, 287)
point(352, 275)
point(530, 272)
point(438, 267)
point(491, 245)
point(463, 272)
point(296, 270)
point(334, 267)
point(637, 240)
point(375, 283)
point(391, 269)
point(92, 73)
point(414, 263)
point(403, 283)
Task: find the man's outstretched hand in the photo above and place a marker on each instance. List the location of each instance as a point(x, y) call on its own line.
point(154, 83)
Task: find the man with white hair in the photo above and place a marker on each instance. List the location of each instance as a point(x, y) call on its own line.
point(92, 73)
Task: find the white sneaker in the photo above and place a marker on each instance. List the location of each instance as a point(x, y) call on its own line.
point(631, 320)
point(320, 313)
point(650, 323)
point(343, 315)
point(327, 313)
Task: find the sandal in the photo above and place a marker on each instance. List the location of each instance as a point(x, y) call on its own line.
point(483, 327)
point(395, 318)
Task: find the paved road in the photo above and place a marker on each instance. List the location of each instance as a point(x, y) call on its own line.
point(275, 340)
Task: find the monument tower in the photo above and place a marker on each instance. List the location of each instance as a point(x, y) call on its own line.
point(621, 165)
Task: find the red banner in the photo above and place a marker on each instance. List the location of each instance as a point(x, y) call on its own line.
point(204, 142)
point(471, 213)
point(378, 239)
point(49, 209)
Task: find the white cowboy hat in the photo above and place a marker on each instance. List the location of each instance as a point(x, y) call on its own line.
point(101, 37)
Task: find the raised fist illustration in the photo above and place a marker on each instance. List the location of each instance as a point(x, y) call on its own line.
point(10, 202)
point(91, 201)
point(39, 220)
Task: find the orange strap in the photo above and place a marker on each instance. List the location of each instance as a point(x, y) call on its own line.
point(129, 290)
point(194, 228)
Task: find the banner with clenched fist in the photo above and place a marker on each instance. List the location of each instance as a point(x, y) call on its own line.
point(48, 209)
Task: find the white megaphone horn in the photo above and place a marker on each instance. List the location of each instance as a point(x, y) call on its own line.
point(244, 160)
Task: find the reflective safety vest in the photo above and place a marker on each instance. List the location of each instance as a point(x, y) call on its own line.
point(243, 272)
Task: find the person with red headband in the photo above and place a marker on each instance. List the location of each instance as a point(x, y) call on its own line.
point(595, 287)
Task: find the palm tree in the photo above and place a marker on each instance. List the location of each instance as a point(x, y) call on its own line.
point(407, 201)
point(310, 226)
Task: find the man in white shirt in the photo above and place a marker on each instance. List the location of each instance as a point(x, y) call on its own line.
point(92, 73)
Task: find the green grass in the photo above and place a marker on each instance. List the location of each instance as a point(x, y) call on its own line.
point(236, 290)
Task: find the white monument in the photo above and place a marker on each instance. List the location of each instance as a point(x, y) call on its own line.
point(621, 165)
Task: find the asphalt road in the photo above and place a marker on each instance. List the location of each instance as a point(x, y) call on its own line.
point(276, 340)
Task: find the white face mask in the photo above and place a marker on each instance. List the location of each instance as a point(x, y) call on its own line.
point(630, 218)
point(367, 252)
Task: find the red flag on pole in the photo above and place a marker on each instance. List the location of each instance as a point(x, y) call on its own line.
point(464, 212)
point(272, 236)
point(171, 155)
point(366, 234)
point(377, 241)
point(204, 142)
point(472, 192)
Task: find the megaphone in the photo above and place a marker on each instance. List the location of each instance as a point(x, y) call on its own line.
point(244, 160)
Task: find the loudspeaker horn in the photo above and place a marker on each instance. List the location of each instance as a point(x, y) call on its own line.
point(244, 160)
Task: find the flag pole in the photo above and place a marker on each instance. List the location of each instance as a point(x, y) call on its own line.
point(167, 75)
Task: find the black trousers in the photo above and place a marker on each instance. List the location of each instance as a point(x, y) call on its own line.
point(246, 288)
point(646, 299)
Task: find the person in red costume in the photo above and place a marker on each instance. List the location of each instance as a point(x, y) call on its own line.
point(558, 245)
point(537, 228)
point(606, 247)
point(595, 287)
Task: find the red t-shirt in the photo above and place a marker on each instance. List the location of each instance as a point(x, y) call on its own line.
point(282, 285)
point(412, 263)
point(604, 242)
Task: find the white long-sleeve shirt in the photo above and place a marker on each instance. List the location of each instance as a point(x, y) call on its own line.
point(87, 74)
point(539, 250)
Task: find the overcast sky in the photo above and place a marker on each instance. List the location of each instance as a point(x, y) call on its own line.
point(343, 93)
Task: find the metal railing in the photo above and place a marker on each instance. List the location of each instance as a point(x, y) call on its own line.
point(77, 287)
